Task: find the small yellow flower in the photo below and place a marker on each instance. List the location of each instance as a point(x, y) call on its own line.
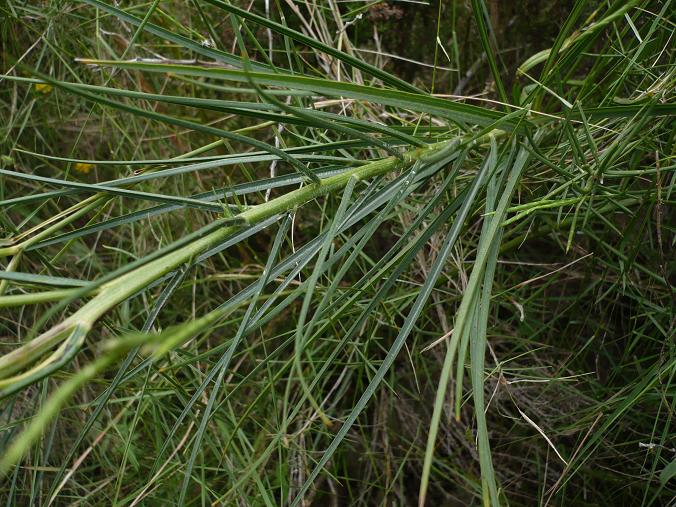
point(83, 167)
point(43, 88)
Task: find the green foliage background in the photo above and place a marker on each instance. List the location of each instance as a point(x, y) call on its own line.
point(337, 253)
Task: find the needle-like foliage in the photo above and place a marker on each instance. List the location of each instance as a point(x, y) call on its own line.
point(249, 258)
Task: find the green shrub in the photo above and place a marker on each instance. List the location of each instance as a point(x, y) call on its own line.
point(253, 257)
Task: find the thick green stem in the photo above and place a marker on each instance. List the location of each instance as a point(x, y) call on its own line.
point(120, 289)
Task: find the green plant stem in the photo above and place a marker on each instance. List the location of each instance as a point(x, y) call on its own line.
point(34, 298)
point(120, 289)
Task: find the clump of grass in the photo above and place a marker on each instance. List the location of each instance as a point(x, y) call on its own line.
point(244, 263)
